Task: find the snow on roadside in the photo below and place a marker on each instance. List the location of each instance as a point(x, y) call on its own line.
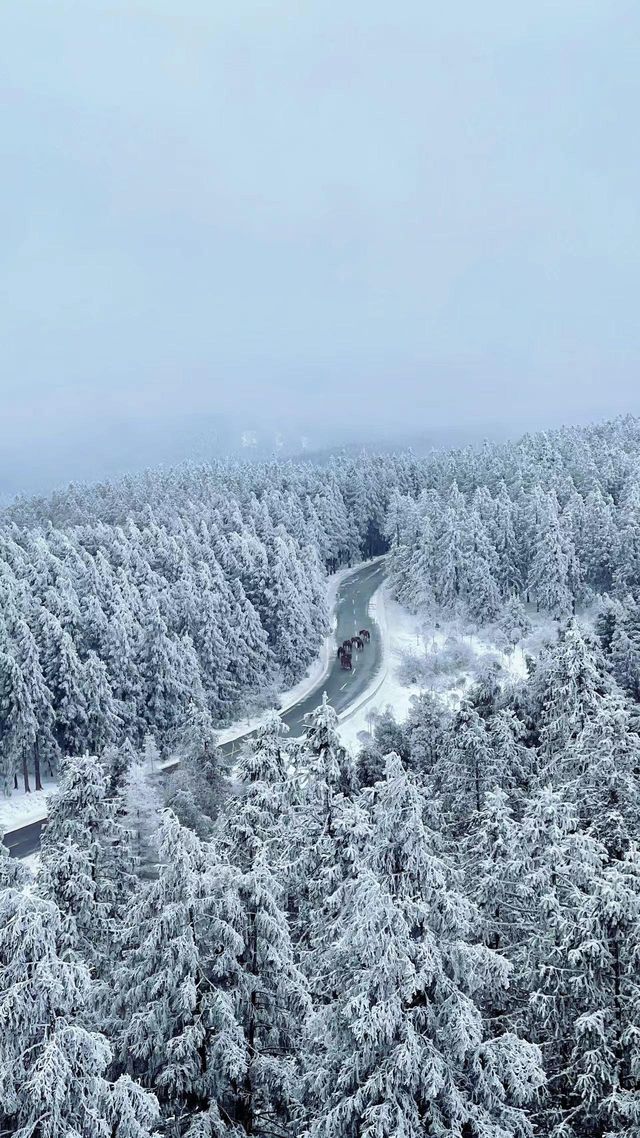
point(21, 809)
point(403, 633)
point(399, 630)
point(316, 674)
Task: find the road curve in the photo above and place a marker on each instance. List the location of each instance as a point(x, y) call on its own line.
point(343, 688)
point(352, 610)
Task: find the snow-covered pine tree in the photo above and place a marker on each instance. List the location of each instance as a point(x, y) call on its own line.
point(513, 621)
point(330, 760)
point(513, 763)
point(627, 571)
point(482, 592)
point(506, 544)
point(449, 559)
point(624, 661)
point(75, 858)
point(598, 1091)
point(466, 769)
point(53, 1071)
point(427, 726)
point(117, 762)
point(69, 700)
point(141, 815)
point(13, 872)
point(202, 761)
point(599, 770)
point(399, 1042)
point(39, 697)
point(269, 786)
point(18, 723)
point(560, 865)
point(610, 617)
point(103, 724)
point(174, 1021)
point(495, 863)
point(272, 1005)
point(569, 682)
point(550, 568)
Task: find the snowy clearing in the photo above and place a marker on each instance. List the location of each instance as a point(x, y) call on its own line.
point(444, 644)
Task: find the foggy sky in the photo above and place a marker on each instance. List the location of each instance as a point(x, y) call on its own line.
point(377, 215)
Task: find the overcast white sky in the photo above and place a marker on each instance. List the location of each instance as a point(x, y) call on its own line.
point(404, 214)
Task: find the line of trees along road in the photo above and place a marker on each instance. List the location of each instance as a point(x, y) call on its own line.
point(194, 594)
point(170, 602)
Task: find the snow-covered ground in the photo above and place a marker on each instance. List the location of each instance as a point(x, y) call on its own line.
point(21, 809)
point(406, 635)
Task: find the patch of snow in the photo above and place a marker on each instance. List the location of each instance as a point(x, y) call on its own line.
point(404, 633)
point(21, 809)
point(399, 629)
point(32, 862)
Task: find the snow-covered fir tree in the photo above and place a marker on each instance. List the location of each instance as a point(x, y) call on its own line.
point(400, 1041)
point(54, 1071)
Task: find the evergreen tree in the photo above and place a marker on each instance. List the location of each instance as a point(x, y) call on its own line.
point(19, 726)
point(551, 566)
point(69, 700)
point(570, 681)
point(426, 729)
point(272, 1005)
point(142, 804)
point(74, 869)
point(174, 1020)
point(328, 757)
point(600, 770)
point(103, 722)
point(467, 769)
point(39, 697)
point(513, 621)
point(53, 1071)
point(400, 1039)
point(496, 865)
point(506, 544)
point(624, 661)
point(601, 1081)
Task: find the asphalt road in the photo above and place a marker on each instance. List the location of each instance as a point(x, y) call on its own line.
point(343, 688)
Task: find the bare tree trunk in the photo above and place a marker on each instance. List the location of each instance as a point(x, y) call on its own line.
point(25, 772)
point(36, 764)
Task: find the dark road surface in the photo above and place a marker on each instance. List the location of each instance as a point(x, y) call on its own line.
point(343, 688)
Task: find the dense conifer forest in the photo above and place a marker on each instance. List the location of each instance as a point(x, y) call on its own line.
point(435, 935)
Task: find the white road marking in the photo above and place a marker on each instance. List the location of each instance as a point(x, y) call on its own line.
point(343, 686)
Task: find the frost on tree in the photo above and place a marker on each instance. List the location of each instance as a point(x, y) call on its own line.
point(54, 1072)
point(167, 1019)
point(401, 1041)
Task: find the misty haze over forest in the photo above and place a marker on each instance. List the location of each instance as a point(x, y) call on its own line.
point(329, 221)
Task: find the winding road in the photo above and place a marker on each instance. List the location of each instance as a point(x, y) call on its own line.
point(344, 689)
